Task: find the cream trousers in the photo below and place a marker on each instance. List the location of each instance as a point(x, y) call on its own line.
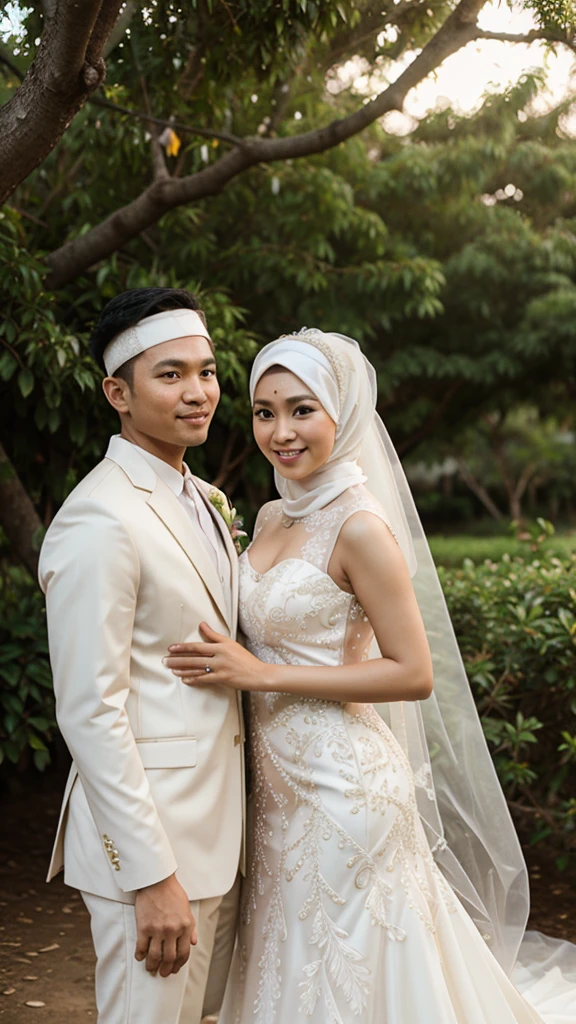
point(126, 993)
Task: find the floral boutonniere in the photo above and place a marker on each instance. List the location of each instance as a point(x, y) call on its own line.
point(233, 521)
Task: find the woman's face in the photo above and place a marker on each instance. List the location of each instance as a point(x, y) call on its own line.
point(291, 428)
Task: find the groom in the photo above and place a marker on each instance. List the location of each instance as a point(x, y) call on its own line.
point(137, 557)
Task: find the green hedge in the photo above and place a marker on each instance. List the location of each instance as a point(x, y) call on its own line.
point(515, 620)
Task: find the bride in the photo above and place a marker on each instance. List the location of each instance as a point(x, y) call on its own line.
point(385, 882)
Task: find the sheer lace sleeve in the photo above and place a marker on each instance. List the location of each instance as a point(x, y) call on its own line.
point(270, 509)
point(325, 526)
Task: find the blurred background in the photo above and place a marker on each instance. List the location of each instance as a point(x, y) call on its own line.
point(401, 171)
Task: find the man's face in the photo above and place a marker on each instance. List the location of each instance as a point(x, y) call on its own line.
point(173, 396)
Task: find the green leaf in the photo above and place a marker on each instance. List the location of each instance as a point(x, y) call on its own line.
point(8, 366)
point(25, 382)
point(36, 742)
point(41, 759)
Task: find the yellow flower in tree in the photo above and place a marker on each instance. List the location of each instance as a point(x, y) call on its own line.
point(170, 141)
point(173, 144)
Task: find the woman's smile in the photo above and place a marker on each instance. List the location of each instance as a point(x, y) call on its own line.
point(288, 455)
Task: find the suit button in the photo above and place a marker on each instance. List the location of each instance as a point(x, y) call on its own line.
point(236, 740)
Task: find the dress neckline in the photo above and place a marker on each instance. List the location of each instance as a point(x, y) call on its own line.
point(283, 561)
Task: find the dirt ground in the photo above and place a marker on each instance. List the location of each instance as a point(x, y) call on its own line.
point(46, 959)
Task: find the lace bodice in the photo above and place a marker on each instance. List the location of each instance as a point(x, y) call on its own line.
point(295, 613)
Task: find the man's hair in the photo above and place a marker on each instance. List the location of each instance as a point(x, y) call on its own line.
point(126, 310)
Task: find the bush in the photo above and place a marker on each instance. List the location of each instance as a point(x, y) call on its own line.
point(515, 620)
point(27, 723)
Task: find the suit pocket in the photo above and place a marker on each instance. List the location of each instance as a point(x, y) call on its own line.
point(176, 752)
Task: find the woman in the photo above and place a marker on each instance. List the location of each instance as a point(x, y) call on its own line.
point(346, 915)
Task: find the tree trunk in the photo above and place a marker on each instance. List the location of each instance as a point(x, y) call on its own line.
point(18, 517)
point(519, 491)
point(480, 491)
point(67, 68)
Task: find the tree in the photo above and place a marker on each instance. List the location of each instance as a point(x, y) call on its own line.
point(67, 67)
point(274, 38)
point(514, 454)
point(382, 238)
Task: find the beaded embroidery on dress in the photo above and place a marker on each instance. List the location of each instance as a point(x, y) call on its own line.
point(345, 915)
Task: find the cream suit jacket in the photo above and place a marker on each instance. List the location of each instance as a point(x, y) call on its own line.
point(156, 784)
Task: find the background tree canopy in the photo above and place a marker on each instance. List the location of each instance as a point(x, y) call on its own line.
point(223, 151)
point(218, 145)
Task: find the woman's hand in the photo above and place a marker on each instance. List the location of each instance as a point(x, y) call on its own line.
point(229, 663)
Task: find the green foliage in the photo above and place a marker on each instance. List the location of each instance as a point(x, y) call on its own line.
point(461, 293)
point(556, 15)
point(27, 722)
point(515, 620)
point(46, 371)
point(55, 421)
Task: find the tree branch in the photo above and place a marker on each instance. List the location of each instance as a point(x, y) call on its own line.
point(119, 30)
point(178, 126)
point(18, 517)
point(535, 36)
point(73, 258)
point(121, 226)
point(479, 490)
point(67, 68)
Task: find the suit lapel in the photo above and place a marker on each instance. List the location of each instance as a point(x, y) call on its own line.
point(169, 510)
point(204, 489)
point(193, 543)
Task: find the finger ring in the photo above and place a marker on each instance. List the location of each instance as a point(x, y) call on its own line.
point(207, 669)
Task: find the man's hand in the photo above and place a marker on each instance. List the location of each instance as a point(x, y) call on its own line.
point(166, 927)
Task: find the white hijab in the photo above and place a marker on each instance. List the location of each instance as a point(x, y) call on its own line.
point(345, 395)
point(344, 382)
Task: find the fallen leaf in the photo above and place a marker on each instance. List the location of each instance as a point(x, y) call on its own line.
point(8, 991)
point(30, 977)
point(48, 949)
point(34, 1002)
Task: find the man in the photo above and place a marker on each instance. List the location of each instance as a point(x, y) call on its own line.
point(136, 558)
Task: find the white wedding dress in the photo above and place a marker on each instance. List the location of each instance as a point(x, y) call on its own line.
point(345, 917)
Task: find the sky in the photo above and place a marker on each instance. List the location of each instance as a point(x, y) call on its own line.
point(463, 79)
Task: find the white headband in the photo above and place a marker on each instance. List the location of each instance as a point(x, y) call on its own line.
point(153, 330)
